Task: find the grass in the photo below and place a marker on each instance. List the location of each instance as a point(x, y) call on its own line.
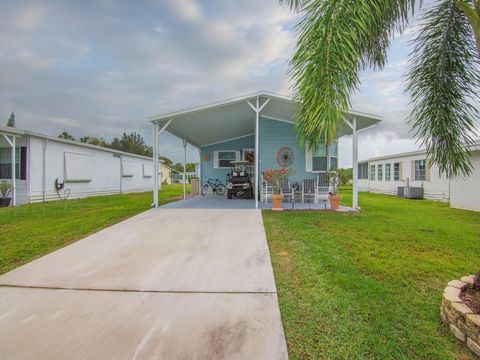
point(369, 285)
point(30, 231)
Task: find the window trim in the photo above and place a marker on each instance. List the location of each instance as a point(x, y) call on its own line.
point(424, 169)
point(379, 172)
point(216, 164)
point(389, 172)
point(395, 178)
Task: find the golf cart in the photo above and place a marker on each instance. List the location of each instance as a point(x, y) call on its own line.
point(239, 185)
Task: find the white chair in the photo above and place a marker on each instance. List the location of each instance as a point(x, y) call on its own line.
point(287, 190)
point(323, 187)
point(266, 190)
point(309, 189)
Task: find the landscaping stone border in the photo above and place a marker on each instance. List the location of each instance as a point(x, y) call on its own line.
point(463, 323)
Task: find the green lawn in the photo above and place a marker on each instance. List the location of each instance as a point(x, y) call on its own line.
point(369, 285)
point(30, 231)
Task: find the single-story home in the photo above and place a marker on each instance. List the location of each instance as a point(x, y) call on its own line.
point(169, 175)
point(386, 174)
point(188, 176)
point(48, 168)
point(261, 128)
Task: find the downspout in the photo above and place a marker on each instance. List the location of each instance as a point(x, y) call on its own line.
point(45, 170)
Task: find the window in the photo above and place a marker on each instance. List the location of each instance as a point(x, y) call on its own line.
point(379, 172)
point(420, 170)
point(363, 171)
point(223, 158)
point(320, 159)
point(20, 163)
point(372, 173)
point(387, 172)
point(325, 158)
point(396, 171)
point(333, 153)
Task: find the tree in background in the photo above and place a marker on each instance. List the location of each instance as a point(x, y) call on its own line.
point(94, 141)
point(132, 143)
point(66, 135)
point(166, 161)
point(345, 176)
point(11, 120)
point(190, 167)
point(339, 39)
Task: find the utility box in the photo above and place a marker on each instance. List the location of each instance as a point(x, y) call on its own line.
point(194, 186)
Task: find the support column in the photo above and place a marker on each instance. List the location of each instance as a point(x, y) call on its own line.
point(14, 175)
point(257, 126)
point(355, 164)
point(184, 169)
point(155, 164)
point(257, 108)
point(200, 168)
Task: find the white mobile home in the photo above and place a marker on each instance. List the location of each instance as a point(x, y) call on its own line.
point(387, 173)
point(49, 168)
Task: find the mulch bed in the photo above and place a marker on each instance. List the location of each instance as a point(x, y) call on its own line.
point(471, 298)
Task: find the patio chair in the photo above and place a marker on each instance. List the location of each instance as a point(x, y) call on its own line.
point(287, 190)
point(309, 188)
point(323, 188)
point(266, 190)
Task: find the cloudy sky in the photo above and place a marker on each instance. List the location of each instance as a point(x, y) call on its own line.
point(102, 67)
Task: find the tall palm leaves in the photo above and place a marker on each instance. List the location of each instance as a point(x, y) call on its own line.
point(441, 81)
point(339, 38)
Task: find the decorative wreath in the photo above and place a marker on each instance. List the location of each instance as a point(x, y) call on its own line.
point(206, 157)
point(285, 157)
point(250, 157)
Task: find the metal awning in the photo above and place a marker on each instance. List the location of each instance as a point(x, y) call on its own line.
point(230, 119)
point(235, 118)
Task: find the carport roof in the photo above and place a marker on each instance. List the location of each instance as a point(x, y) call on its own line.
point(234, 118)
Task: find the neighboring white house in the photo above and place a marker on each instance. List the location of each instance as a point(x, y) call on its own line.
point(465, 193)
point(43, 163)
point(387, 173)
point(188, 176)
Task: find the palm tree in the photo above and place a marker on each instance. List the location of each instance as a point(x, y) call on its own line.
point(340, 38)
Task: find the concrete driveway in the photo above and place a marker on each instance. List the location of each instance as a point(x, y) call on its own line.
point(166, 284)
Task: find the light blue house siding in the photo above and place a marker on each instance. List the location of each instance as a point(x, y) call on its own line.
point(207, 167)
point(275, 135)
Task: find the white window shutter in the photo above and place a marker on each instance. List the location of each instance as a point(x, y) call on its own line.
point(215, 159)
point(427, 171)
point(400, 171)
point(308, 159)
point(237, 155)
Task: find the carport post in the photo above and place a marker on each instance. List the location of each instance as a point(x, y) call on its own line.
point(156, 169)
point(155, 164)
point(184, 169)
point(14, 175)
point(257, 110)
point(355, 163)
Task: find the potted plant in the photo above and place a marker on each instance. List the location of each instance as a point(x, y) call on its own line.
point(5, 190)
point(277, 177)
point(333, 195)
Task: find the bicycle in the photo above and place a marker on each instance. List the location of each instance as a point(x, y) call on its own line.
point(216, 186)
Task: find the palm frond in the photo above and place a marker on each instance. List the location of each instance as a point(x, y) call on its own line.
point(473, 15)
point(337, 39)
point(443, 81)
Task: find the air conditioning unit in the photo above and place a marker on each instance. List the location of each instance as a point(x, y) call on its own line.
point(410, 192)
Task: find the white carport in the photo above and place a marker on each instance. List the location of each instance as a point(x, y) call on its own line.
point(234, 118)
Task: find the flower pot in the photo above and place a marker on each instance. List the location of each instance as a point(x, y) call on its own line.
point(277, 200)
point(334, 201)
point(4, 202)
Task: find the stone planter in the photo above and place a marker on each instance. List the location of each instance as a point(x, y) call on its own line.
point(462, 322)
